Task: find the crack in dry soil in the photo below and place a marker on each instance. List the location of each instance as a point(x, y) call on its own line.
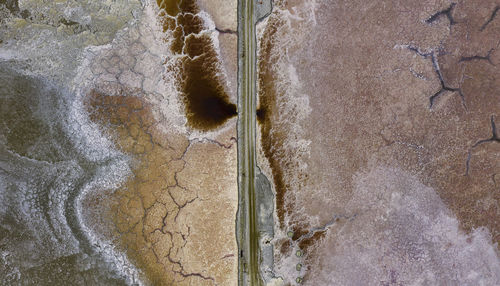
point(149, 203)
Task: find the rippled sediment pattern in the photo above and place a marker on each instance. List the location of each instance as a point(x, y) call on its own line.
point(206, 102)
point(41, 175)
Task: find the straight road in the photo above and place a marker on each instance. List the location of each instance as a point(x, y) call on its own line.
point(247, 226)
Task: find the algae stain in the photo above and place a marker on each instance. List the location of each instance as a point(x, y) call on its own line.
point(207, 104)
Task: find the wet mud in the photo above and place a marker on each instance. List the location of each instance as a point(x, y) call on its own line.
point(267, 105)
point(272, 139)
point(206, 101)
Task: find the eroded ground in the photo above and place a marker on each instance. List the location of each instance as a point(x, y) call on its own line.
point(378, 129)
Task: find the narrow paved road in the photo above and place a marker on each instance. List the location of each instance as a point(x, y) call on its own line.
point(248, 239)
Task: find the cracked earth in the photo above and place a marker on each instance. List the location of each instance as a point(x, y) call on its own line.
point(166, 219)
point(174, 216)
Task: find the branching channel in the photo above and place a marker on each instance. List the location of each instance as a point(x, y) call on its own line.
point(493, 138)
point(444, 86)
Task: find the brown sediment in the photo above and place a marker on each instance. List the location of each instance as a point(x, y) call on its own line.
point(206, 102)
point(474, 197)
point(267, 103)
point(306, 243)
point(298, 232)
point(272, 138)
point(285, 246)
point(366, 119)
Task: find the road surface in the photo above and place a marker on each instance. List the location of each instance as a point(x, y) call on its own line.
point(247, 227)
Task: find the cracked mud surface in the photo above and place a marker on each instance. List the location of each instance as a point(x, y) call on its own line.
point(366, 107)
point(166, 219)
